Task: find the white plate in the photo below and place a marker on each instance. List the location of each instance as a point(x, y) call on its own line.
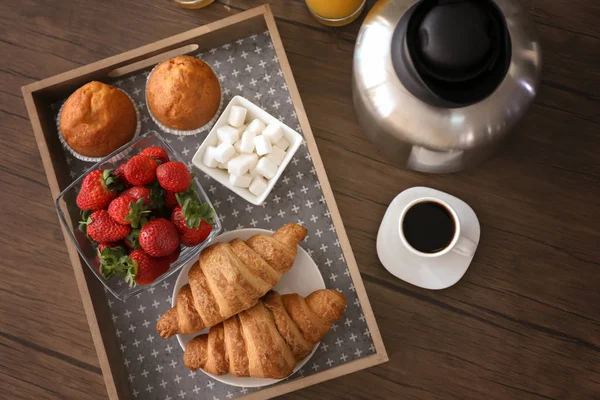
point(221, 175)
point(303, 278)
point(429, 273)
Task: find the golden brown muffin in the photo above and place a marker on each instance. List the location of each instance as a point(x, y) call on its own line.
point(183, 93)
point(97, 119)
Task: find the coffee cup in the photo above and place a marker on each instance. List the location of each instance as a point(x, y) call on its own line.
point(430, 227)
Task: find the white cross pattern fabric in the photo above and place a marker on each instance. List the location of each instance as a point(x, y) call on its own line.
point(250, 68)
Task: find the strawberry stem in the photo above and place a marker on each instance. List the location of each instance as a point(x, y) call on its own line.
point(112, 181)
point(137, 213)
point(110, 261)
point(193, 210)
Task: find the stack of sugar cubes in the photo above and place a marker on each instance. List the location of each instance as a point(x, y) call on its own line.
point(251, 154)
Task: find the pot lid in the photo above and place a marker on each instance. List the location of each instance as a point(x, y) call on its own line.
point(451, 53)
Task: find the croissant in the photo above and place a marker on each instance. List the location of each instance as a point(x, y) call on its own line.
point(230, 278)
point(269, 339)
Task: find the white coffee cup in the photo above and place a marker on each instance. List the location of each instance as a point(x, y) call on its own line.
point(460, 245)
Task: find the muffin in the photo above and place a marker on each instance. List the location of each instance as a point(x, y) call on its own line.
point(183, 93)
point(97, 119)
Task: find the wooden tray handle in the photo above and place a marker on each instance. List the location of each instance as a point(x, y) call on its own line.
point(136, 66)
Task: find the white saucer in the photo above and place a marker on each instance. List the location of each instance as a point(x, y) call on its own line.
point(429, 273)
point(303, 278)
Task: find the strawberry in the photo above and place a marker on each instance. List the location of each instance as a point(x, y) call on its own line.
point(193, 222)
point(158, 153)
point(120, 173)
point(100, 227)
point(138, 192)
point(98, 189)
point(140, 170)
point(159, 237)
point(109, 258)
point(125, 210)
point(174, 176)
point(170, 200)
point(171, 258)
point(143, 269)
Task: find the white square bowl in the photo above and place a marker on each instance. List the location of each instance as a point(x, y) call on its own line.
point(222, 176)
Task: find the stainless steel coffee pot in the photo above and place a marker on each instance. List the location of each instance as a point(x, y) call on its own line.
point(438, 84)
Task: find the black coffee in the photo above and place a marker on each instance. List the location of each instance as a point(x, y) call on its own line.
point(428, 227)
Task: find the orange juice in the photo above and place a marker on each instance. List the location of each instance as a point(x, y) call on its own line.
point(335, 12)
point(193, 3)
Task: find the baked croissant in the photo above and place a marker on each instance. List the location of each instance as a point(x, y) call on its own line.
point(230, 278)
point(269, 339)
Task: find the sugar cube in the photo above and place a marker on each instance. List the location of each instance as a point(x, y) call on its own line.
point(238, 146)
point(253, 172)
point(262, 144)
point(209, 157)
point(224, 152)
point(237, 116)
point(247, 142)
point(240, 180)
point(283, 143)
point(266, 168)
point(228, 134)
point(276, 155)
point(258, 186)
point(256, 126)
point(252, 160)
point(241, 164)
point(273, 132)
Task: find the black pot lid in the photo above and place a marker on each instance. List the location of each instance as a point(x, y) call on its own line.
point(451, 53)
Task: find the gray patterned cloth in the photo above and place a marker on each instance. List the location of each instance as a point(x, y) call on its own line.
point(250, 68)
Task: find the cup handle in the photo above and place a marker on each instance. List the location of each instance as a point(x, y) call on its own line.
point(465, 247)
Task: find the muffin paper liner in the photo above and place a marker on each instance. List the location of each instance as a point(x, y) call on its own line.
point(138, 129)
point(203, 128)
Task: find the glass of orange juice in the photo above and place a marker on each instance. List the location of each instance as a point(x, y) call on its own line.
point(335, 12)
point(193, 3)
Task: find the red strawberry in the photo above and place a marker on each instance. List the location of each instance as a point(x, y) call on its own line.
point(120, 173)
point(171, 258)
point(140, 170)
point(144, 269)
point(156, 152)
point(193, 221)
point(170, 200)
point(97, 190)
point(159, 237)
point(138, 192)
point(125, 210)
point(100, 227)
point(174, 176)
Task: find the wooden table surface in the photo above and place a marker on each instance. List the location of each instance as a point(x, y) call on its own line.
point(524, 322)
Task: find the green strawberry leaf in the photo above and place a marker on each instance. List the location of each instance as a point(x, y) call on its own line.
point(111, 181)
point(85, 220)
point(194, 212)
point(110, 261)
point(133, 239)
point(157, 196)
point(129, 268)
point(138, 213)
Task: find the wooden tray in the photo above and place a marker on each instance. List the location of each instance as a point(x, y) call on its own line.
point(39, 97)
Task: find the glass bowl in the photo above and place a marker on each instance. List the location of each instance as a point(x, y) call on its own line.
point(69, 215)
